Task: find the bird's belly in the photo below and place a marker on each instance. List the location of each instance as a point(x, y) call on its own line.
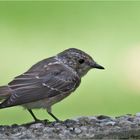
point(45, 103)
point(37, 105)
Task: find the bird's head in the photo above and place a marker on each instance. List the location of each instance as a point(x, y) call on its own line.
point(78, 60)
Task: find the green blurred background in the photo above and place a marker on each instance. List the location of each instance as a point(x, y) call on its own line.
point(108, 31)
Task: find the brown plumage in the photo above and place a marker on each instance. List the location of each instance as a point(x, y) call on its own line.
point(48, 82)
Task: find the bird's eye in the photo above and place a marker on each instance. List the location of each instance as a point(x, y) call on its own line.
point(81, 61)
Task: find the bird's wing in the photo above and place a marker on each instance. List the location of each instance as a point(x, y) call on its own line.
point(33, 86)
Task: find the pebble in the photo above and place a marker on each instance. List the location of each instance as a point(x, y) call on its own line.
point(102, 117)
point(77, 130)
point(37, 125)
point(110, 123)
point(81, 127)
point(138, 114)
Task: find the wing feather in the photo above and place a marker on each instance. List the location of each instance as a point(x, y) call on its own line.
point(30, 87)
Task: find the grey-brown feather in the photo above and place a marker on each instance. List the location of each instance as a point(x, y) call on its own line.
point(5, 91)
point(47, 82)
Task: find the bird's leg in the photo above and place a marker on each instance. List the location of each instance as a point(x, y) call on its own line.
point(31, 112)
point(50, 113)
point(53, 116)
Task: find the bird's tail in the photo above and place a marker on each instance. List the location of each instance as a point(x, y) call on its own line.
point(5, 91)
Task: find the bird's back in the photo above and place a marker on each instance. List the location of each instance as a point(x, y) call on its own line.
point(49, 80)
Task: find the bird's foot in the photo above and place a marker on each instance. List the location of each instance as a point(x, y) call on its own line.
point(41, 121)
point(57, 120)
point(38, 121)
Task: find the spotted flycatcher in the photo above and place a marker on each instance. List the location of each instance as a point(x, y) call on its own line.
point(48, 82)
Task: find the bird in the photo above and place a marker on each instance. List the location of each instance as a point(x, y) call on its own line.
point(48, 81)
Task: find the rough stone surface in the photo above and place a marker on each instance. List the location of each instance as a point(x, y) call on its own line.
point(96, 127)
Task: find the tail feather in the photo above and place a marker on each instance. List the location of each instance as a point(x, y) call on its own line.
point(5, 91)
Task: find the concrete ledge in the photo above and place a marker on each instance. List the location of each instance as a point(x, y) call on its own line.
point(93, 127)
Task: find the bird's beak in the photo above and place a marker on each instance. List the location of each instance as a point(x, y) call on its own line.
point(97, 66)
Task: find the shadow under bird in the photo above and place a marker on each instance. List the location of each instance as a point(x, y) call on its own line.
point(48, 81)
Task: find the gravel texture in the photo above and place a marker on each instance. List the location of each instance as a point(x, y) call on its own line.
point(93, 127)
